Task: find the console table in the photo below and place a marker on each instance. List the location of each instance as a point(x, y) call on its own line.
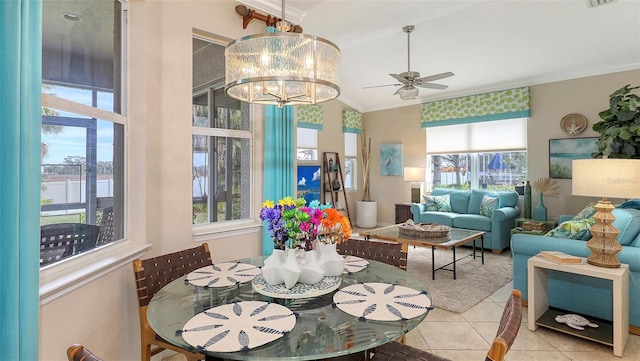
point(614, 334)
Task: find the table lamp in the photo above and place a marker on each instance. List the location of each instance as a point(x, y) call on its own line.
point(416, 176)
point(613, 178)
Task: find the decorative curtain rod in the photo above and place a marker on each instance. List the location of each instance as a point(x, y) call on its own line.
point(248, 15)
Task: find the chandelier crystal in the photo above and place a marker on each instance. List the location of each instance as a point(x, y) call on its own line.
point(282, 68)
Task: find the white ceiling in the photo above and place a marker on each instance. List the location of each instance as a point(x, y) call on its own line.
point(489, 44)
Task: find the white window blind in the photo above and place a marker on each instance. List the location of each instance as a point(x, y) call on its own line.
point(307, 138)
point(492, 136)
point(350, 144)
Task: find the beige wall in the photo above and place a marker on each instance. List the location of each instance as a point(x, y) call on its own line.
point(549, 103)
point(103, 314)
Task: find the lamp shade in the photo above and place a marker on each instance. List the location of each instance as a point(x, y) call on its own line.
point(282, 68)
point(408, 92)
point(611, 178)
point(414, 174)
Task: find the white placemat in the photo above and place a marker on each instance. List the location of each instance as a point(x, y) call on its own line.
point(223, 274)
point(354, 264)
point(382, 301)
point(300, 290)
point(238, 326)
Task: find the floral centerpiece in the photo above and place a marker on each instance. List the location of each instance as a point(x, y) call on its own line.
point(290, 221)
point(296, 227)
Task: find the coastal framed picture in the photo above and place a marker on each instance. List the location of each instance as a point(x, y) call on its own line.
point(308, 182)
point(391, 159)
point(563, 151)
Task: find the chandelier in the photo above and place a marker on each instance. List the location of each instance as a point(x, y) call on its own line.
point(282, 68)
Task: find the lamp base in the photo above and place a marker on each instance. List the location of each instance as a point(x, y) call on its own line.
point(415, 195)
point(603, 244)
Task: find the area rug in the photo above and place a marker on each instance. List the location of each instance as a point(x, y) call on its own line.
point(474, 282)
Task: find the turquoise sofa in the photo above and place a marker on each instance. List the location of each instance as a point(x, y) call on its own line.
point(581, 294)
point(465, 213)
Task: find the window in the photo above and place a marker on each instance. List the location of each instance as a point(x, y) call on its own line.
point(307, 144)
point(489, 155)
point(222, 143)
point(350, 160)
point(82, 190)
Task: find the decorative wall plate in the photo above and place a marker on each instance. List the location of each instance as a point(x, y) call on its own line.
point(573, 123)
point(238, 326)
point(300, 290)
point(223, 274)
point(382, 301)
point(353, 264)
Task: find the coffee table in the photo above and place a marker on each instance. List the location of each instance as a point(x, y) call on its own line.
point(457, 237)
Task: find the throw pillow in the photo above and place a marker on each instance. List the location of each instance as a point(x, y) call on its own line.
point(573, 229)
point(438, 203)
point(587, 212)
point(488, 205)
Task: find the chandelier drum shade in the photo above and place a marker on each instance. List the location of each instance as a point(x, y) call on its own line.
point(282, 68)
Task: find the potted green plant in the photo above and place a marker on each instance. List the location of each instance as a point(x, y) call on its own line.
point(367, 209)
point(620, 126)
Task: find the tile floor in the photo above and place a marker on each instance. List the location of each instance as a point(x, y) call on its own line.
point(467, 336)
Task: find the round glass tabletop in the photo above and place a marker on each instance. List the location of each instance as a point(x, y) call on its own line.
point(321, 331)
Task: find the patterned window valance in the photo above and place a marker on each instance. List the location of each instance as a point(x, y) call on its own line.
point(505, 104)
point(310, 116)
point(351, 121)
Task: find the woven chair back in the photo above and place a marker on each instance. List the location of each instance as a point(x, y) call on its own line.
point(383, 251)
point(154, 273)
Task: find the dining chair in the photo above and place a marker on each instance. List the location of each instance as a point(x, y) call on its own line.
point(106, 227)
point(77, 352)
point(377, 250)
point(506, 335)
point(62, 240)
point(151, 275)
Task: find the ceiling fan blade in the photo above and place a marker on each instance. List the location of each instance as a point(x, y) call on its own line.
point(432, 86)
point(397, 91)
point(400, 79)
point(380, 86)
point(435, 77)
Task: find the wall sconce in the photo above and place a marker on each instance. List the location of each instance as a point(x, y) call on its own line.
point(415, 175)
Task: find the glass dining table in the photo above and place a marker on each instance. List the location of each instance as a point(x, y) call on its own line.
point(321, 331)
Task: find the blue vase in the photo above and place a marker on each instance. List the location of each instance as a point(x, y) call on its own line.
point(540, 212)
point(527, 200)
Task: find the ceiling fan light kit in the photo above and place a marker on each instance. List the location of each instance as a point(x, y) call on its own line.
point(282, 68)
point(409, 80)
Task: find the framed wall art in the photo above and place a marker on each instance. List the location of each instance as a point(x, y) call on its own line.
point(563, 151)
point(309, 182)
point(391, 159)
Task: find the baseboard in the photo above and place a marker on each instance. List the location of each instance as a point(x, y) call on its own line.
point(632, 329)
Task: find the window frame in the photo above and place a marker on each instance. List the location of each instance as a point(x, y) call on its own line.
point(61, 278)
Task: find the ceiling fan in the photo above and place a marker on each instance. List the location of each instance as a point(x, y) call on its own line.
point(410, 81)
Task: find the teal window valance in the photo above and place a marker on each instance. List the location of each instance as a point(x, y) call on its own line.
point(310, 116)
point(351, 121)
point(505, 104)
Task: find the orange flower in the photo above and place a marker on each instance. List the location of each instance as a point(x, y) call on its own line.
point(336, 226)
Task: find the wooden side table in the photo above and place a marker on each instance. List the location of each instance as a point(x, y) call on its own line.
point(403, 212)
point(614, 334)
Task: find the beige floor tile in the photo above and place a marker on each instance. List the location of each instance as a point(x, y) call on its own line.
point(502, 295)
point(484, 311)
point(515, 355)
point(599, 356)
point(451, 336)
point(439, 315)
point(414, 339)
point(462, 354)
point(530, 341)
